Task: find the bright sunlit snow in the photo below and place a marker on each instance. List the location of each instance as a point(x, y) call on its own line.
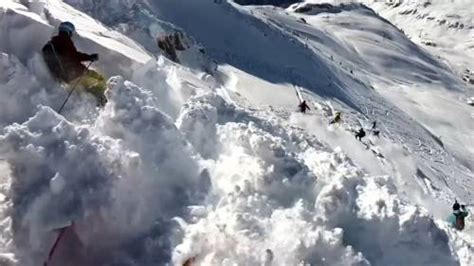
point(200, 156)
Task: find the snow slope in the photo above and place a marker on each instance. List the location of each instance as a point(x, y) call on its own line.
point(445, 28)
point(307, 62)
point(187, 163)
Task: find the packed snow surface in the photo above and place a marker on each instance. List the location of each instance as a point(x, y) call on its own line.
point(200, 157)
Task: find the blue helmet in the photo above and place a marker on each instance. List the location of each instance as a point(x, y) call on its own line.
point(67, 27)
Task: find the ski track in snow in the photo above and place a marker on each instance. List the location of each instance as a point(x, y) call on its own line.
point(191, 163)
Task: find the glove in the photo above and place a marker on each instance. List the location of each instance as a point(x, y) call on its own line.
point(94, 57)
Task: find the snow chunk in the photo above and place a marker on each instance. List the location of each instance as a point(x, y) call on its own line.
point(198, 121)
point(40, 152)
point(247, 229)
point(57, 183)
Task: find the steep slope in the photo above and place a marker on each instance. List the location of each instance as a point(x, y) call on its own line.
point(214, 167)
point(320, 56)
point(409, 77)
point(446, 28)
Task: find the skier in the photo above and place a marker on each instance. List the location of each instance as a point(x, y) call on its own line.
point(360, 134)
point(375, 131)
point(456, 219)
point(337, 118)
point(303, 106)
point(374, 125)
point(65, 63)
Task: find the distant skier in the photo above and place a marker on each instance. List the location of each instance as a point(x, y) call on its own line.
point(336, 119)
point(360, 134)
point(303, 107)
point(374, 125)
point(375, 131)
point(65, 63)
point(456, 219)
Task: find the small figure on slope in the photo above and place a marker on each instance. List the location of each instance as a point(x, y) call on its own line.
point(360, 134)
point(336, 119)
point(456, 219)
point(65, 63)
point(303, 106)
point(375, 132)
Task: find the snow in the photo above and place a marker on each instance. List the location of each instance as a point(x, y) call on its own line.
point(213, 165)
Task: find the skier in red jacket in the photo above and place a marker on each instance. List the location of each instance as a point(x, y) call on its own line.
point(65, 63)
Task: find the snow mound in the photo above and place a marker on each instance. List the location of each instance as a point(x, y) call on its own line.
point(341, 216)
point(346, 218)
point(18, 102)
point(51, 186)
point(380, 226)
point(99, 177)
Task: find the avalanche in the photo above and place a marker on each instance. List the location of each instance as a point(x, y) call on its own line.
point(200, 158)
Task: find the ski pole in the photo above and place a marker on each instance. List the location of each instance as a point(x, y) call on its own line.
point(74, 87)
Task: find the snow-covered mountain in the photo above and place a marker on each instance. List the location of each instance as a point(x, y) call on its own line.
point(200, 156)
point(267, 2)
